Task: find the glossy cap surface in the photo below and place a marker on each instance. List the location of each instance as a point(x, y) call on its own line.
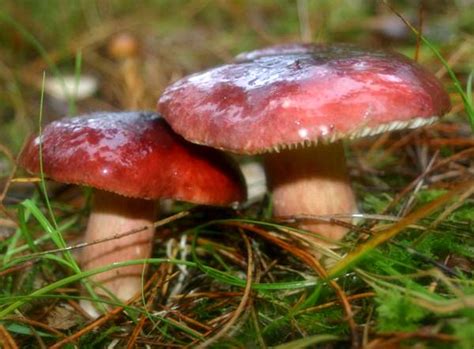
point(134, 154)
point(299, 94)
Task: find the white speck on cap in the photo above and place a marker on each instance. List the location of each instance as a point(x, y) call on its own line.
point(303, 133)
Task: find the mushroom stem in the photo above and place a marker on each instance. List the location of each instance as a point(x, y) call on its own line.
point(115, 214)
point(311, 181)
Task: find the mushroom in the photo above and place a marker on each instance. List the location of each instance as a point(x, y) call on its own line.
point(124, 48)
point(296, 104)
point(130, 159)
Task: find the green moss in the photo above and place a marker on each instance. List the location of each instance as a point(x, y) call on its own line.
point(396, 312)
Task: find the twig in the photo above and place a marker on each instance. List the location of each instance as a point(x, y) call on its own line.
point(16, 268)
point(333, 303)
point(181, 316)
point(260, 340)
point(208, 295)
point(6, 340)
point(156, 224)
point(420, 181)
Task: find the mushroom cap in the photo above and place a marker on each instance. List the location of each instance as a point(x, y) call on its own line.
point(123, 45)
point(135, 154)
point(299, 94)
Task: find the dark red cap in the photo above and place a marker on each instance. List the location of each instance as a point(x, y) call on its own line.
point(134, 154)
point(299, 94)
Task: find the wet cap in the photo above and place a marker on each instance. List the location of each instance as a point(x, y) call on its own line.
point(134, 154)
point(300, 94)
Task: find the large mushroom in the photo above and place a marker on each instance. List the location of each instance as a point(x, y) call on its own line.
point(130, 159)
point(296, 103)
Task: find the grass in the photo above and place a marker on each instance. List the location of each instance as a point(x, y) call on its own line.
point(239, 279)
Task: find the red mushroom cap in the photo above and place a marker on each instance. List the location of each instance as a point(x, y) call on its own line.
point(134, 154)
point(293, 94)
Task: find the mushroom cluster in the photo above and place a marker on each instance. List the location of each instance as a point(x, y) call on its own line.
point(131, 159)
point(295, 104)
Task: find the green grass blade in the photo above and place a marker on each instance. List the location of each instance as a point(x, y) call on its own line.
point(40, 133)
point(45, 224)
point(23, 329)
point(467, 101)
point(469, 87)
point(22, 218)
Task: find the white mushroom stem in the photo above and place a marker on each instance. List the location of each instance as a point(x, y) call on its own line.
point(113, 214)
point(311, 181)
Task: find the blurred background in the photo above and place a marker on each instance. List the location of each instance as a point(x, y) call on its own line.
point(116, 55)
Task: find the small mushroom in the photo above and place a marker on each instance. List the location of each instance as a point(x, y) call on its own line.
point(124, 48)
point(296, 103)
point(130, 159)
